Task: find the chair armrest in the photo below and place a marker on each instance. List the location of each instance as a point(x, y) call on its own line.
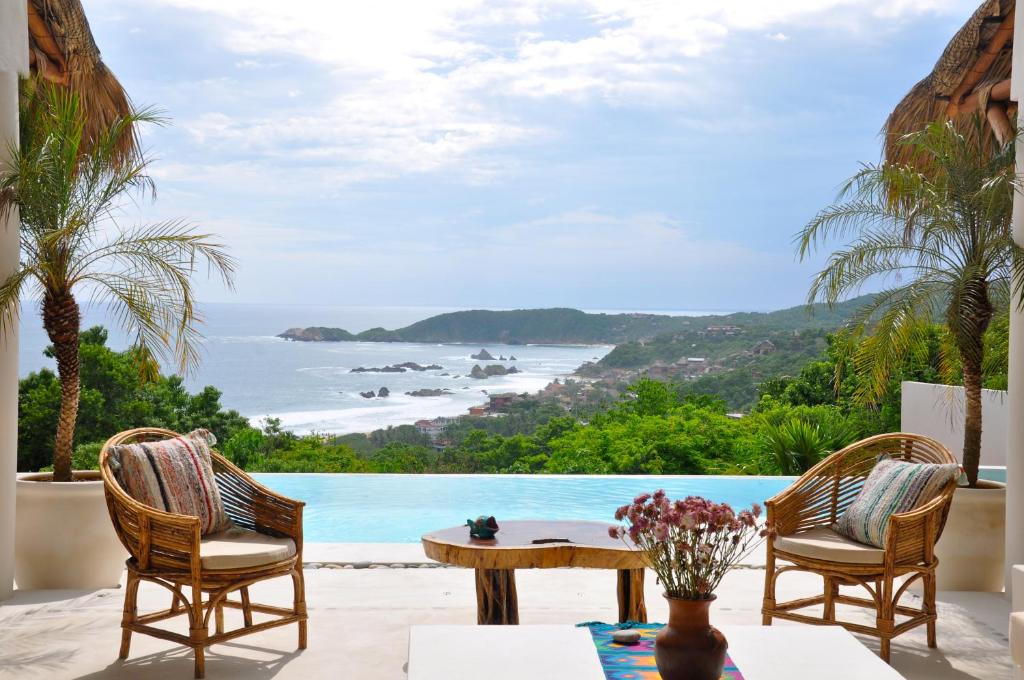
point(806, 503)
point(252, 505)
point(912, 535)
point(152, 537)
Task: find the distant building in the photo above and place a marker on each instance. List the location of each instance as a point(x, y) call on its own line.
point(477, 410)
point(500, 402)
point(763, 347)
point(432, 428)
point(723, 330)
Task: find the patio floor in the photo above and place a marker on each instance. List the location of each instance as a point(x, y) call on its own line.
point(359, 621)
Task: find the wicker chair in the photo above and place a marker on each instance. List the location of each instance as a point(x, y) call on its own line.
point(802, 514)
point(167, 549)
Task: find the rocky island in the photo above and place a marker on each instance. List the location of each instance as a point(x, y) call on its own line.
point(398, 368)
point(491, 370)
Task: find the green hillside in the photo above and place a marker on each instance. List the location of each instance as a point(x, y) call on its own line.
point(572, 326)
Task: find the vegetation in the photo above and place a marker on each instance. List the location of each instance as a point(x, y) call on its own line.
point(68, 190)
point(943, 239)
point(114, 397)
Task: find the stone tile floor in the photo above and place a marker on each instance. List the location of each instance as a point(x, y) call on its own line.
point(359, 621)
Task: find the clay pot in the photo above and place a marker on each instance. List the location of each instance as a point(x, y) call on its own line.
point(689, 647)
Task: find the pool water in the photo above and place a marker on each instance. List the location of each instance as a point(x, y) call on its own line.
point(366, 508)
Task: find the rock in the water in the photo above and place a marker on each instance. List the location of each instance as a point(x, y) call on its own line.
point(501, 357)
point(492, 369)
point(383, 392)
point(482, 355)
point(429, 392)
point(368, 395)
point(382, 369)
point(413, 366)
point(513, 358)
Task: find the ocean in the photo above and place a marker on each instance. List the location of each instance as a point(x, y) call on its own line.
point(309, 386)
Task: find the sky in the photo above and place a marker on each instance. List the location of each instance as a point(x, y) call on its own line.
point(600, 154)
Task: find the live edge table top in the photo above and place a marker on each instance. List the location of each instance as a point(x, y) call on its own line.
point(564, 543)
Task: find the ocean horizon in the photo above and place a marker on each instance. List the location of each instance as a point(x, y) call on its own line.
point(310, 386)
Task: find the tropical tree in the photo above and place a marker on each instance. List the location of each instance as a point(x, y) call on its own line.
point(936, 231)
point(71, 191)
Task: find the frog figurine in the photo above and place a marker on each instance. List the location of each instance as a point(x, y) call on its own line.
point(483, 527)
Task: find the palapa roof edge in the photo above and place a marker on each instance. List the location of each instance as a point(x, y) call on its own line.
point(62, 50)
point(971, 74)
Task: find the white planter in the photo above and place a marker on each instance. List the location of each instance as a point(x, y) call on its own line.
point(973, 543)
point(63, 535)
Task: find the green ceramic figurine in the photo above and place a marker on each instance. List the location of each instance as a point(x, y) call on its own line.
point(483, 527)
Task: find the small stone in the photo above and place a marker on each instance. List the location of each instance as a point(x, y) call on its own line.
point(361, 565)
point(398, 566)
point(313, 565)
point(625, 637)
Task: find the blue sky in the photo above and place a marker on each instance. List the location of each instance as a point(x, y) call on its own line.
point(589, 153)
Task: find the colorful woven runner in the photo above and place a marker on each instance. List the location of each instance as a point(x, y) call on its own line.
point(636, 662)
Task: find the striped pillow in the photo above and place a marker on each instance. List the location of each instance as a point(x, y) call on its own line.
point(173, 475)
point(893, 486)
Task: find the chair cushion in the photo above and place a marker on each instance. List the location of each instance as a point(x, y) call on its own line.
point(821, 543)
point(237, 548)
point(1017, 638)
point(173, 475)
point(893, 486)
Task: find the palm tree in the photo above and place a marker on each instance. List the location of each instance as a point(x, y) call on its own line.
point(71, 190)
point(940, 239)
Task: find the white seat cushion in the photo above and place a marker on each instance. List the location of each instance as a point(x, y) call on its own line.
point(237, 548)
point(821, 543)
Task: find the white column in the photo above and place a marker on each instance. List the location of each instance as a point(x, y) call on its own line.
point(13, 61)
point(1015, 398)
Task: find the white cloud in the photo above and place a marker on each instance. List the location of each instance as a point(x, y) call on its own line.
point(417, 81)
point(777, 37)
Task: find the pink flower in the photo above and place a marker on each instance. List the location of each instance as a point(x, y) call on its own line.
point(661, 531)
point(620, 513)
point(642, 498)
point(616, 532)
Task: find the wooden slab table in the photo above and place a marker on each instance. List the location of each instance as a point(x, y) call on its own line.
point(529, 544)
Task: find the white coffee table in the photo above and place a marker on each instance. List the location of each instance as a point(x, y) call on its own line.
point(781, 652)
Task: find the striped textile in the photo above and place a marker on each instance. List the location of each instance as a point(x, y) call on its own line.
point(893, 486)
point(173, 475)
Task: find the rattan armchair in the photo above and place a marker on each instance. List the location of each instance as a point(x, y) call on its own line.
point(803, 514)
point(168, 550)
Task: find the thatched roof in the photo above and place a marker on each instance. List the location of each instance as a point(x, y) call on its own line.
point(972, 76)
point(62, 50)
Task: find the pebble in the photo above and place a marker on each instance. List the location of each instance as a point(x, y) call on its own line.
point(626, 637)
point(362, 565)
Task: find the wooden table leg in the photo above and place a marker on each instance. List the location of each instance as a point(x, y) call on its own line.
point(496, 599)
point(631, 596)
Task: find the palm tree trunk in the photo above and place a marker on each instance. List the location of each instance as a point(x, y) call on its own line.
point(61, 319)
point(972, 419)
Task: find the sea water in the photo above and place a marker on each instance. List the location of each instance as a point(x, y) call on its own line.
point(310, 386)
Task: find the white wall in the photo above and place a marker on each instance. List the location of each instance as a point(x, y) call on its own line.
point(13, 60)
point(938, 412)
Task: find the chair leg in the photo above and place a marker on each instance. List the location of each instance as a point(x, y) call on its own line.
point(299, 582)
point(219, 617)
point(929, 606)
point(830, 599)
point(198, 632)
point(246, 606)
point(200, 663)
point(768, 604)
point(130, 613)
point(886, 619)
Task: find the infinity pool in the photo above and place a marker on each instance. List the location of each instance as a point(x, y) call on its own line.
point(363, 508)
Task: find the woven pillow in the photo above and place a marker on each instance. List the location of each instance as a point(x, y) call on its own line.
point(173, 475)
point(893, 486)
